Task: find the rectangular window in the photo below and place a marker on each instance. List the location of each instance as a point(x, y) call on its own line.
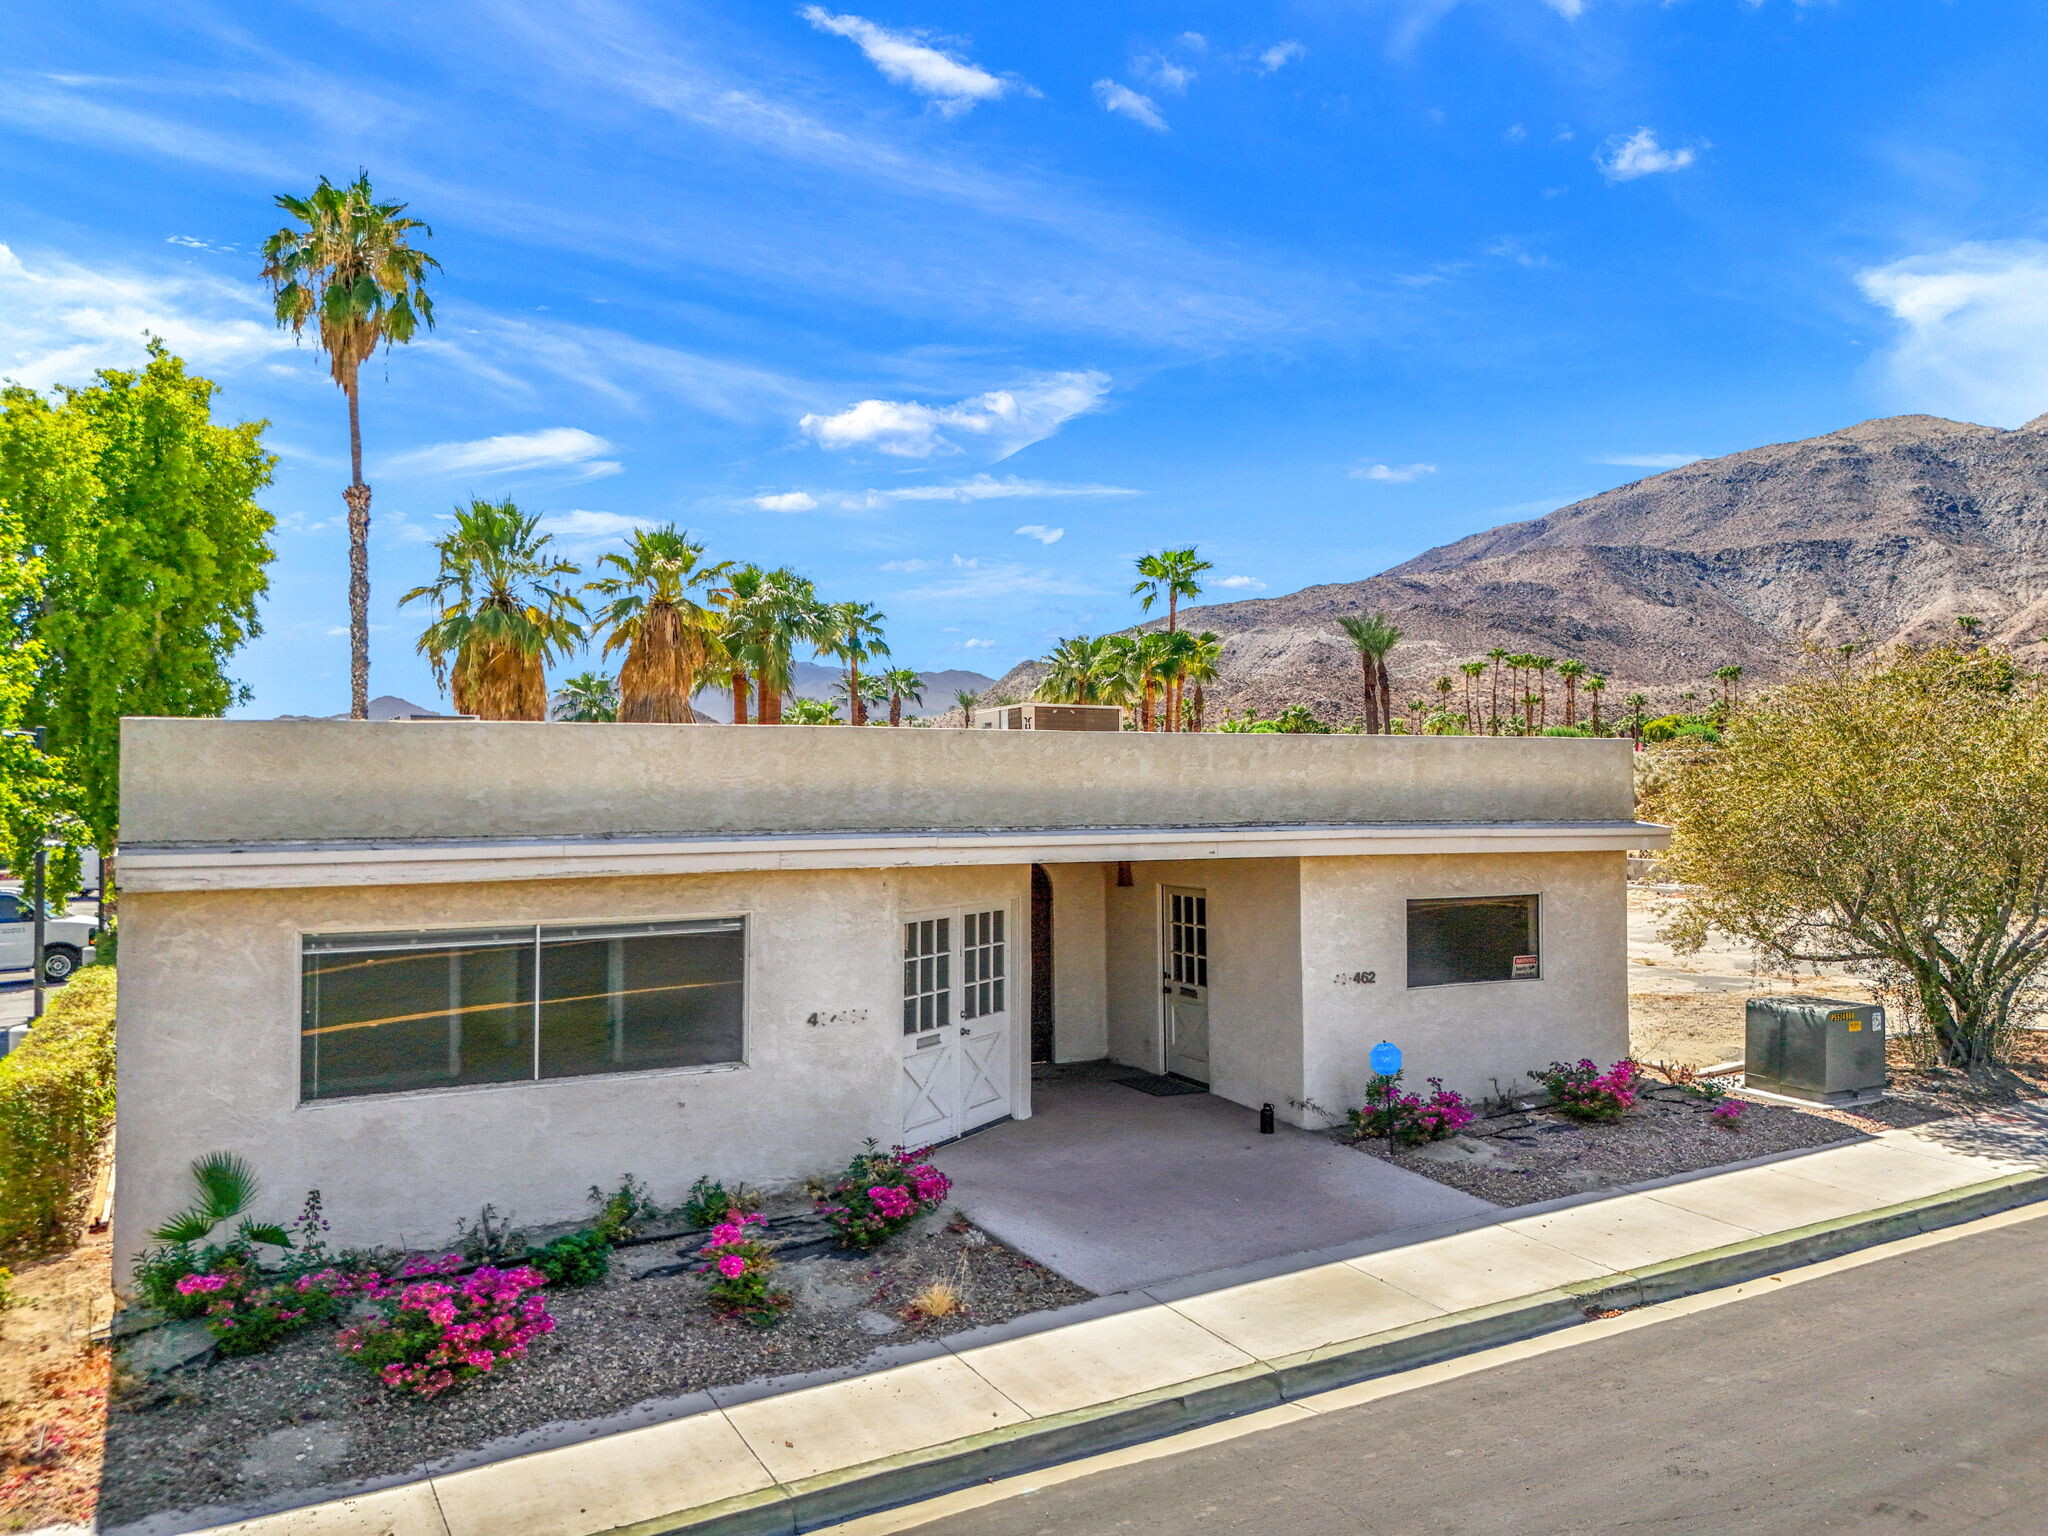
point(927, 978)
point(982, 964)
point(1472, 938)
point(391, 1012)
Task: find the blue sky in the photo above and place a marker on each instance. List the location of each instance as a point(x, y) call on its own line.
point(959, 306)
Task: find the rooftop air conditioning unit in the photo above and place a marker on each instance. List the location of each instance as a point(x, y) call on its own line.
point(1815, 1048)
point(1050, 717)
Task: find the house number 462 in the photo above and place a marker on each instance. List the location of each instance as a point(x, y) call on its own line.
point(1358, 978)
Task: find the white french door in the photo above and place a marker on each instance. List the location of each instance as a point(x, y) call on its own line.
point(957, 986)
point(1184, 980)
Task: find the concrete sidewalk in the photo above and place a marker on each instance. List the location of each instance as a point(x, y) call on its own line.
point(1150, 1363)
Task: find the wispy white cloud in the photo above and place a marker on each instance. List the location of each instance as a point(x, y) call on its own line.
point(1125, 102)
point(910, 565)
point(985, 488)
point(1002, 420)
point(60, 321)
point(977, 644)
point(911, 60)
point(1570, 10)
point(581, 527)
point(1278, 56)
point(1043, 534)
point(1972, 330)
point(1163, 73)
point(981, 580)
point(1392, 473)
point(787, 501)
point(1647, 460)
point(1625, 157)
point(1242, 583)
point(569, 450)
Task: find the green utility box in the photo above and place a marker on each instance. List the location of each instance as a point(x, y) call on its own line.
point(1815, 1048)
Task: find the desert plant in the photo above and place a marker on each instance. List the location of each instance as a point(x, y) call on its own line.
point(739, 1261)
point(881, 1193)
point(1581, 1091)
point(227, 1187)
point(576, 1258)
point(621, 1210)
point(56, 1103)
point(1687, 1079)
point(492, 1240)
point(941, 1298)
point(710, 1201)
point(1728, 1114)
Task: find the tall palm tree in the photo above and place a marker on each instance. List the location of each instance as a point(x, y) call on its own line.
point(1201, 669)
point(1730, 679)
point(967, 701)
point(1444, 685)
point(500, 620)
point(1573, 673)
point(348, 265)
point(852, 633)
point(1177, 652)
point(1594, 686)
point(654, 618)
point(1497, 656)
point(1141, 673)
point(1638, 706)
point(1373, 636)
point(902, 683)
point(1079, 668)
point(588, 697)
point(1541, 666)
point(1473, 670)
point(1169, 573)
point(763, 616)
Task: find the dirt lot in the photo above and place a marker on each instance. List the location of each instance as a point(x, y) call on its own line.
point(53, 1388)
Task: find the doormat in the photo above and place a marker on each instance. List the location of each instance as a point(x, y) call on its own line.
point(1163, 1087)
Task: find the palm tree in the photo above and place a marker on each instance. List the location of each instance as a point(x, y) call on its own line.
point(1201, 669)
point(1472, 671)
point(1541, 665)
point(813, 712)
point(653, 618)
point(1373, 636)
point(1497, 655)
point(1079, 669)
point(1969, 624)
point(1573, 672)
point(1444, 685)
point(1730, 679)
point(902, 683)
point(967, 702)
point(1141, 671)
point(763, 617)
point(1594, 686)
point(589, 697)
point(1638, 707)
point(852, 633)
point(1172, 573)
point(868, 689)
point(349, 266)
point(1179, 650)
point(500, 620)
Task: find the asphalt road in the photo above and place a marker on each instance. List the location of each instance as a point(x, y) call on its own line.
point(1909, 1394)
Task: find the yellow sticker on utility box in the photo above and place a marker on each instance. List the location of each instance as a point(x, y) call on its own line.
point(1854, 1025)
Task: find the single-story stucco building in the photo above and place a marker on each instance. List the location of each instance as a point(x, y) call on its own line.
point(423, 966)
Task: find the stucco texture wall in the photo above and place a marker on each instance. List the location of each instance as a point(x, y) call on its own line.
point(209, 1053)
point(1354, 919)
point(1254, 973)
point(1080, 1001)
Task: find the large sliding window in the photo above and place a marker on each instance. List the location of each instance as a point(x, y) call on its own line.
point(392, 1012)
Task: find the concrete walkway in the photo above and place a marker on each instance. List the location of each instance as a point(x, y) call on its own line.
point(1117, 1190)
point(1002, 1400)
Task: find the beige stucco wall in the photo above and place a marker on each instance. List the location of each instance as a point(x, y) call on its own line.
point(1254, 973)
point(1080, 999)
point(209, 1052)
point(250, 781)
point(1354, 919)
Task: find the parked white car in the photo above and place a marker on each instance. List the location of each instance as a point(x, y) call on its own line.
point(67, 941)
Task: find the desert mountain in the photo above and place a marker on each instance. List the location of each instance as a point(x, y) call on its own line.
point(1883, 531)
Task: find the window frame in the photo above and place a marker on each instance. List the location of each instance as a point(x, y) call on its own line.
point(1408, 905)
point(743, 915)
point(958, 988)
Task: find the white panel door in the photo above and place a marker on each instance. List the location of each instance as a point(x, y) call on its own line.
point(1184, 980)
point(956, 1023)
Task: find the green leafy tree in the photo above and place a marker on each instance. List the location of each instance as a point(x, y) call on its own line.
point(500, 620)
point(588, 697)
point(133, 513)
point(348, 267)
point(1882, 813)
point(812, 712)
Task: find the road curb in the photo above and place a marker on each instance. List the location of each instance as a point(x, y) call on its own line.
point(945, 1468)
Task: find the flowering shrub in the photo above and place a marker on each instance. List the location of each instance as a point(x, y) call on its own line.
point(248, 1314)
point(434, 1334)
point(1727, 1114)
point(881, 1193)
point(1585, 1093)
point(1408, 1117)
point(739, 1262)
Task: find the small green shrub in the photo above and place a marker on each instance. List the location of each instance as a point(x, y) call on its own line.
point(6, 1287)
point(56, 1103)
point(710, 1202)
point(579, 1258)
point(622, 1209)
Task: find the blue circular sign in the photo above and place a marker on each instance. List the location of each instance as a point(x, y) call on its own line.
point(1385, 1059)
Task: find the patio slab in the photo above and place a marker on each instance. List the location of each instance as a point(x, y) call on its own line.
point(1117, 1190)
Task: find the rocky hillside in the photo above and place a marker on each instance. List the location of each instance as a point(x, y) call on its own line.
point(1882, 531)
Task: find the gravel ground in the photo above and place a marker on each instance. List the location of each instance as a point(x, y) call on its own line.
point(304, 1420)
point(1518, 1159)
